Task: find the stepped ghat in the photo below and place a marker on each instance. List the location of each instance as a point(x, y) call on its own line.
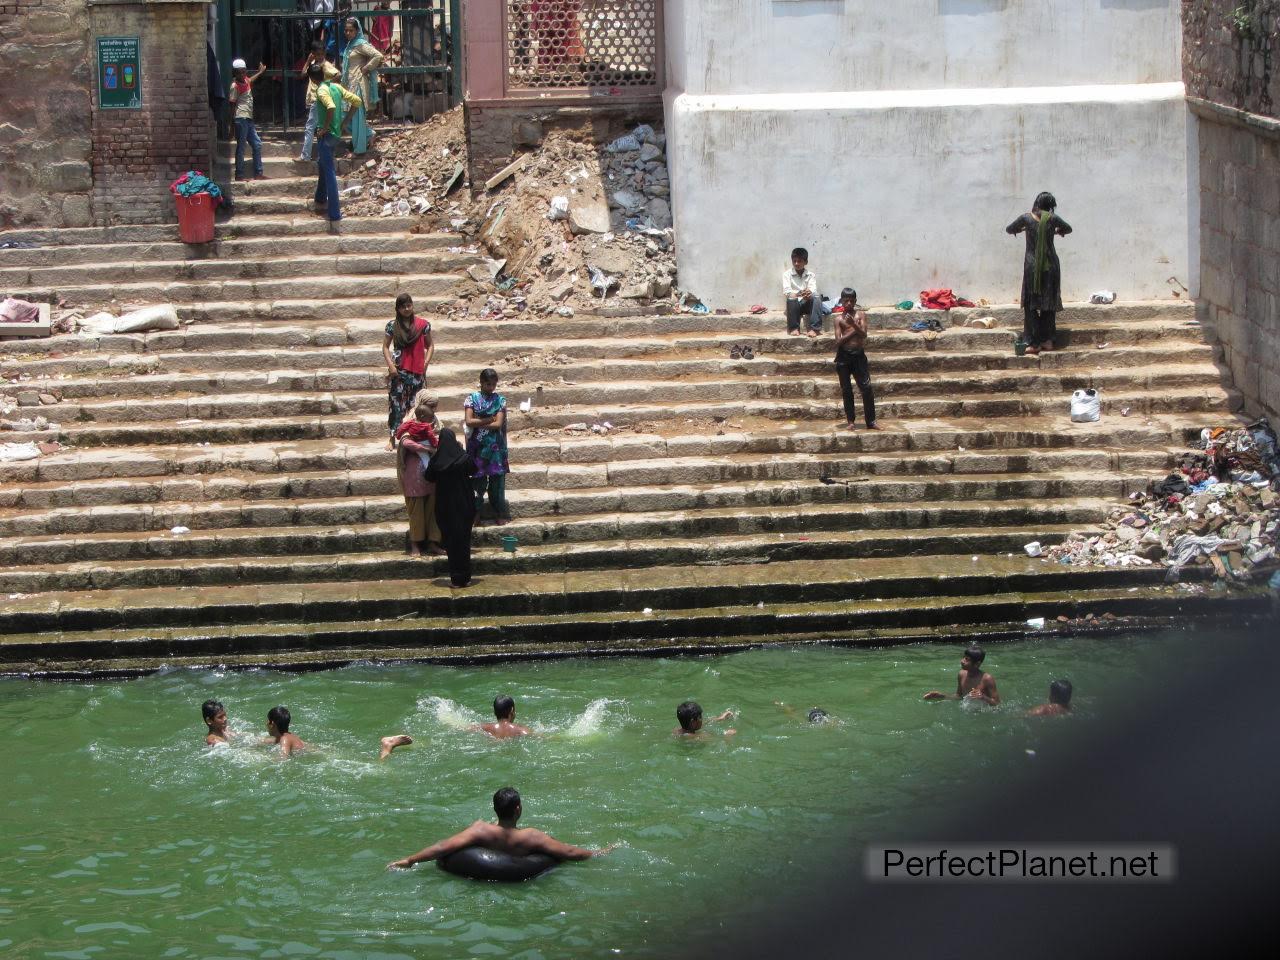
point(726, 508)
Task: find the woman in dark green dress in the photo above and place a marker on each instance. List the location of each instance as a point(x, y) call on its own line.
point(1041, 272)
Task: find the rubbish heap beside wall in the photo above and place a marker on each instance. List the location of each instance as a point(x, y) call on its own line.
point(1232, 73)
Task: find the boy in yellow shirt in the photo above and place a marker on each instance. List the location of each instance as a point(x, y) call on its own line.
point(332, 99)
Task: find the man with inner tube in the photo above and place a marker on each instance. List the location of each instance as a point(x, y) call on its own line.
point(503, 837)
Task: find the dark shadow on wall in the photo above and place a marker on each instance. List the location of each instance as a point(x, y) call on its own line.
point(970, 8)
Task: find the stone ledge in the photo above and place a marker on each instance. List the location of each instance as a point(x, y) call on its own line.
point(1234, 117)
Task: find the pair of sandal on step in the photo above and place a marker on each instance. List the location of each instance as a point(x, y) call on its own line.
point(743, 352)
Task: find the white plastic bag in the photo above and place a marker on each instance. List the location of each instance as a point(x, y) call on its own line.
point(1086, 406)
point(148, 318)
point(1103, 296)
point(559, 208)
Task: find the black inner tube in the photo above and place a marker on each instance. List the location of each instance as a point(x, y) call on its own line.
point(481, 863)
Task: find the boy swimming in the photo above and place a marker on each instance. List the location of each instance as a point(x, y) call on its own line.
point(215, 718)
point(689, 714)
point(1059, 704)
point(971, 682)
point(505, 727)
point(278, 720)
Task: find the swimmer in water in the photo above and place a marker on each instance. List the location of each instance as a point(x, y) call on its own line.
point(971, 683)
point(689, 714)
point(390, 743)
point(1059, 704)
point(278, 727)
point(503, 836)
point(215, 718)
point(816, 715)
point(504, 708)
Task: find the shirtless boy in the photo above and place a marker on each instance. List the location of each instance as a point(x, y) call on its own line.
point(689, 714)
point(971, 683)
point(505, 727)
point(1059, 704)
point(504, 836)
point(278, 727)
point(851, 360)
point(215, 718)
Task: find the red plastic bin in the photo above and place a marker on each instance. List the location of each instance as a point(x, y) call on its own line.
point(195, 217)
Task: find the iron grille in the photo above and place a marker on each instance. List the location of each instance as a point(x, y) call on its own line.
point(571, 44)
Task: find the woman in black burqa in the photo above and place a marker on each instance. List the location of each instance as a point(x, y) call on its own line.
point(451, 471)
point(1041, 272)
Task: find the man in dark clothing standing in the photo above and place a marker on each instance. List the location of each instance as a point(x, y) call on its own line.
point(851, 360)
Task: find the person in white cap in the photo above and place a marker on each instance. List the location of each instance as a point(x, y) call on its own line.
point(242, 99)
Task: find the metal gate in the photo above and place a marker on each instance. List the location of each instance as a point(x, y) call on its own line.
point(421, 41)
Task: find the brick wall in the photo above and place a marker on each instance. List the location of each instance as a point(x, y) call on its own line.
point(45, 146)
point(138, 153)
point(1230, 48)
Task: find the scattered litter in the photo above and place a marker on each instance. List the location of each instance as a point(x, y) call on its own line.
point(559, 209)
point(758, 308)
point(1033, 548)
point(1086, 406)
point(905, 305)
point(11, 452)
point(1035, 623)
point(526, 405)
point(986, 323)
point(1124, 411)
point(163, 317)
point(648, 611)
point(1103, 296)
point(179, 531)
point(1221, 509)
point(1102, 345)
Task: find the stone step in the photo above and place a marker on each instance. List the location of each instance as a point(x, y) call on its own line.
point(954, 620)
point(113, 399)
point(84, 654)
point(579, 360)
point(110, 255)
point(380, 479)
point(265, 268)
point(341, 563)
point(328, 418)
point(833, 587)
point(239, 226)
point(45, 480)
point(295, 183)
point(303, 393)
point(641, 530)
point(478, 342)
point(740, 488)
point(385, 287)
point(282, 165)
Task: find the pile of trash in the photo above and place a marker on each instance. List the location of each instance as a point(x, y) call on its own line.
point(1221, 508)
point(571, 224)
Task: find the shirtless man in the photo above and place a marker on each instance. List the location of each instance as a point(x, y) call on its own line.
point(504, 836)
point(1059, 704)
point(972, 683)
point(215, 718)
point(851, 360)
point(278, 720)
point(689, 714)
point(504, 708)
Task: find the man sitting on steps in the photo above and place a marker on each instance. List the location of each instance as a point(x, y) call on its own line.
point(800, 290)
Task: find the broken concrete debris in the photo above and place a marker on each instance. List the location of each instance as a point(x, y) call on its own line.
point(576, 223)
point(1220, 508)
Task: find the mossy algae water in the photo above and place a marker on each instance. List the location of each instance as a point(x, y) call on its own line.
point(121, 835)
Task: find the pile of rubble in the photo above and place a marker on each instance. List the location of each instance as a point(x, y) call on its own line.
point(569, 225)
point(1221, 508)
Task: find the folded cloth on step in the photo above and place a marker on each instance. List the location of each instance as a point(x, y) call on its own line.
point(18, 311)
point(942, 299)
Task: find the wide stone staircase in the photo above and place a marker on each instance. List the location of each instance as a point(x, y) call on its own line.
point(225, 489)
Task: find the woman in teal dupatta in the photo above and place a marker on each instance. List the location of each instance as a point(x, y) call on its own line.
point(360, 60)
point(1041, 272)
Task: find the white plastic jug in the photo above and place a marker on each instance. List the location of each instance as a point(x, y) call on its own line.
point(1086, 406)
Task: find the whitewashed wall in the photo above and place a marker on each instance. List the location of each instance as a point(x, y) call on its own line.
point(896, 139)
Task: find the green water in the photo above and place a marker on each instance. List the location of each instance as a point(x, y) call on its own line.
point(121, 835)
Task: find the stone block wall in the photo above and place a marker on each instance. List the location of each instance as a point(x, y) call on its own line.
point(46, 72)
point(138, 153)
point(1229, 49)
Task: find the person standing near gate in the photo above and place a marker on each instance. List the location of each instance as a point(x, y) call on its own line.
point(332, 99)
point(242, 100)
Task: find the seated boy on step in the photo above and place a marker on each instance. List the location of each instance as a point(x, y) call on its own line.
point(800, 291)
point(971, 683)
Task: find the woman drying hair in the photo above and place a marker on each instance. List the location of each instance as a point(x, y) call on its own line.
point(1041, 272)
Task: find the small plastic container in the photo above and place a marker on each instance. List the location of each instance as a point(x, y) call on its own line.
point(509, 543)
point(195, 218)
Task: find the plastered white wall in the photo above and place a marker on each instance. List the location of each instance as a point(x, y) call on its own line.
point(777, 46)
point(898, 192)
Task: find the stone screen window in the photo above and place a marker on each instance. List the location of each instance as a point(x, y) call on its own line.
point(576, 44)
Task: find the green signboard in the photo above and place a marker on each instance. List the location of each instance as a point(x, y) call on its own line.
point(119, 73)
